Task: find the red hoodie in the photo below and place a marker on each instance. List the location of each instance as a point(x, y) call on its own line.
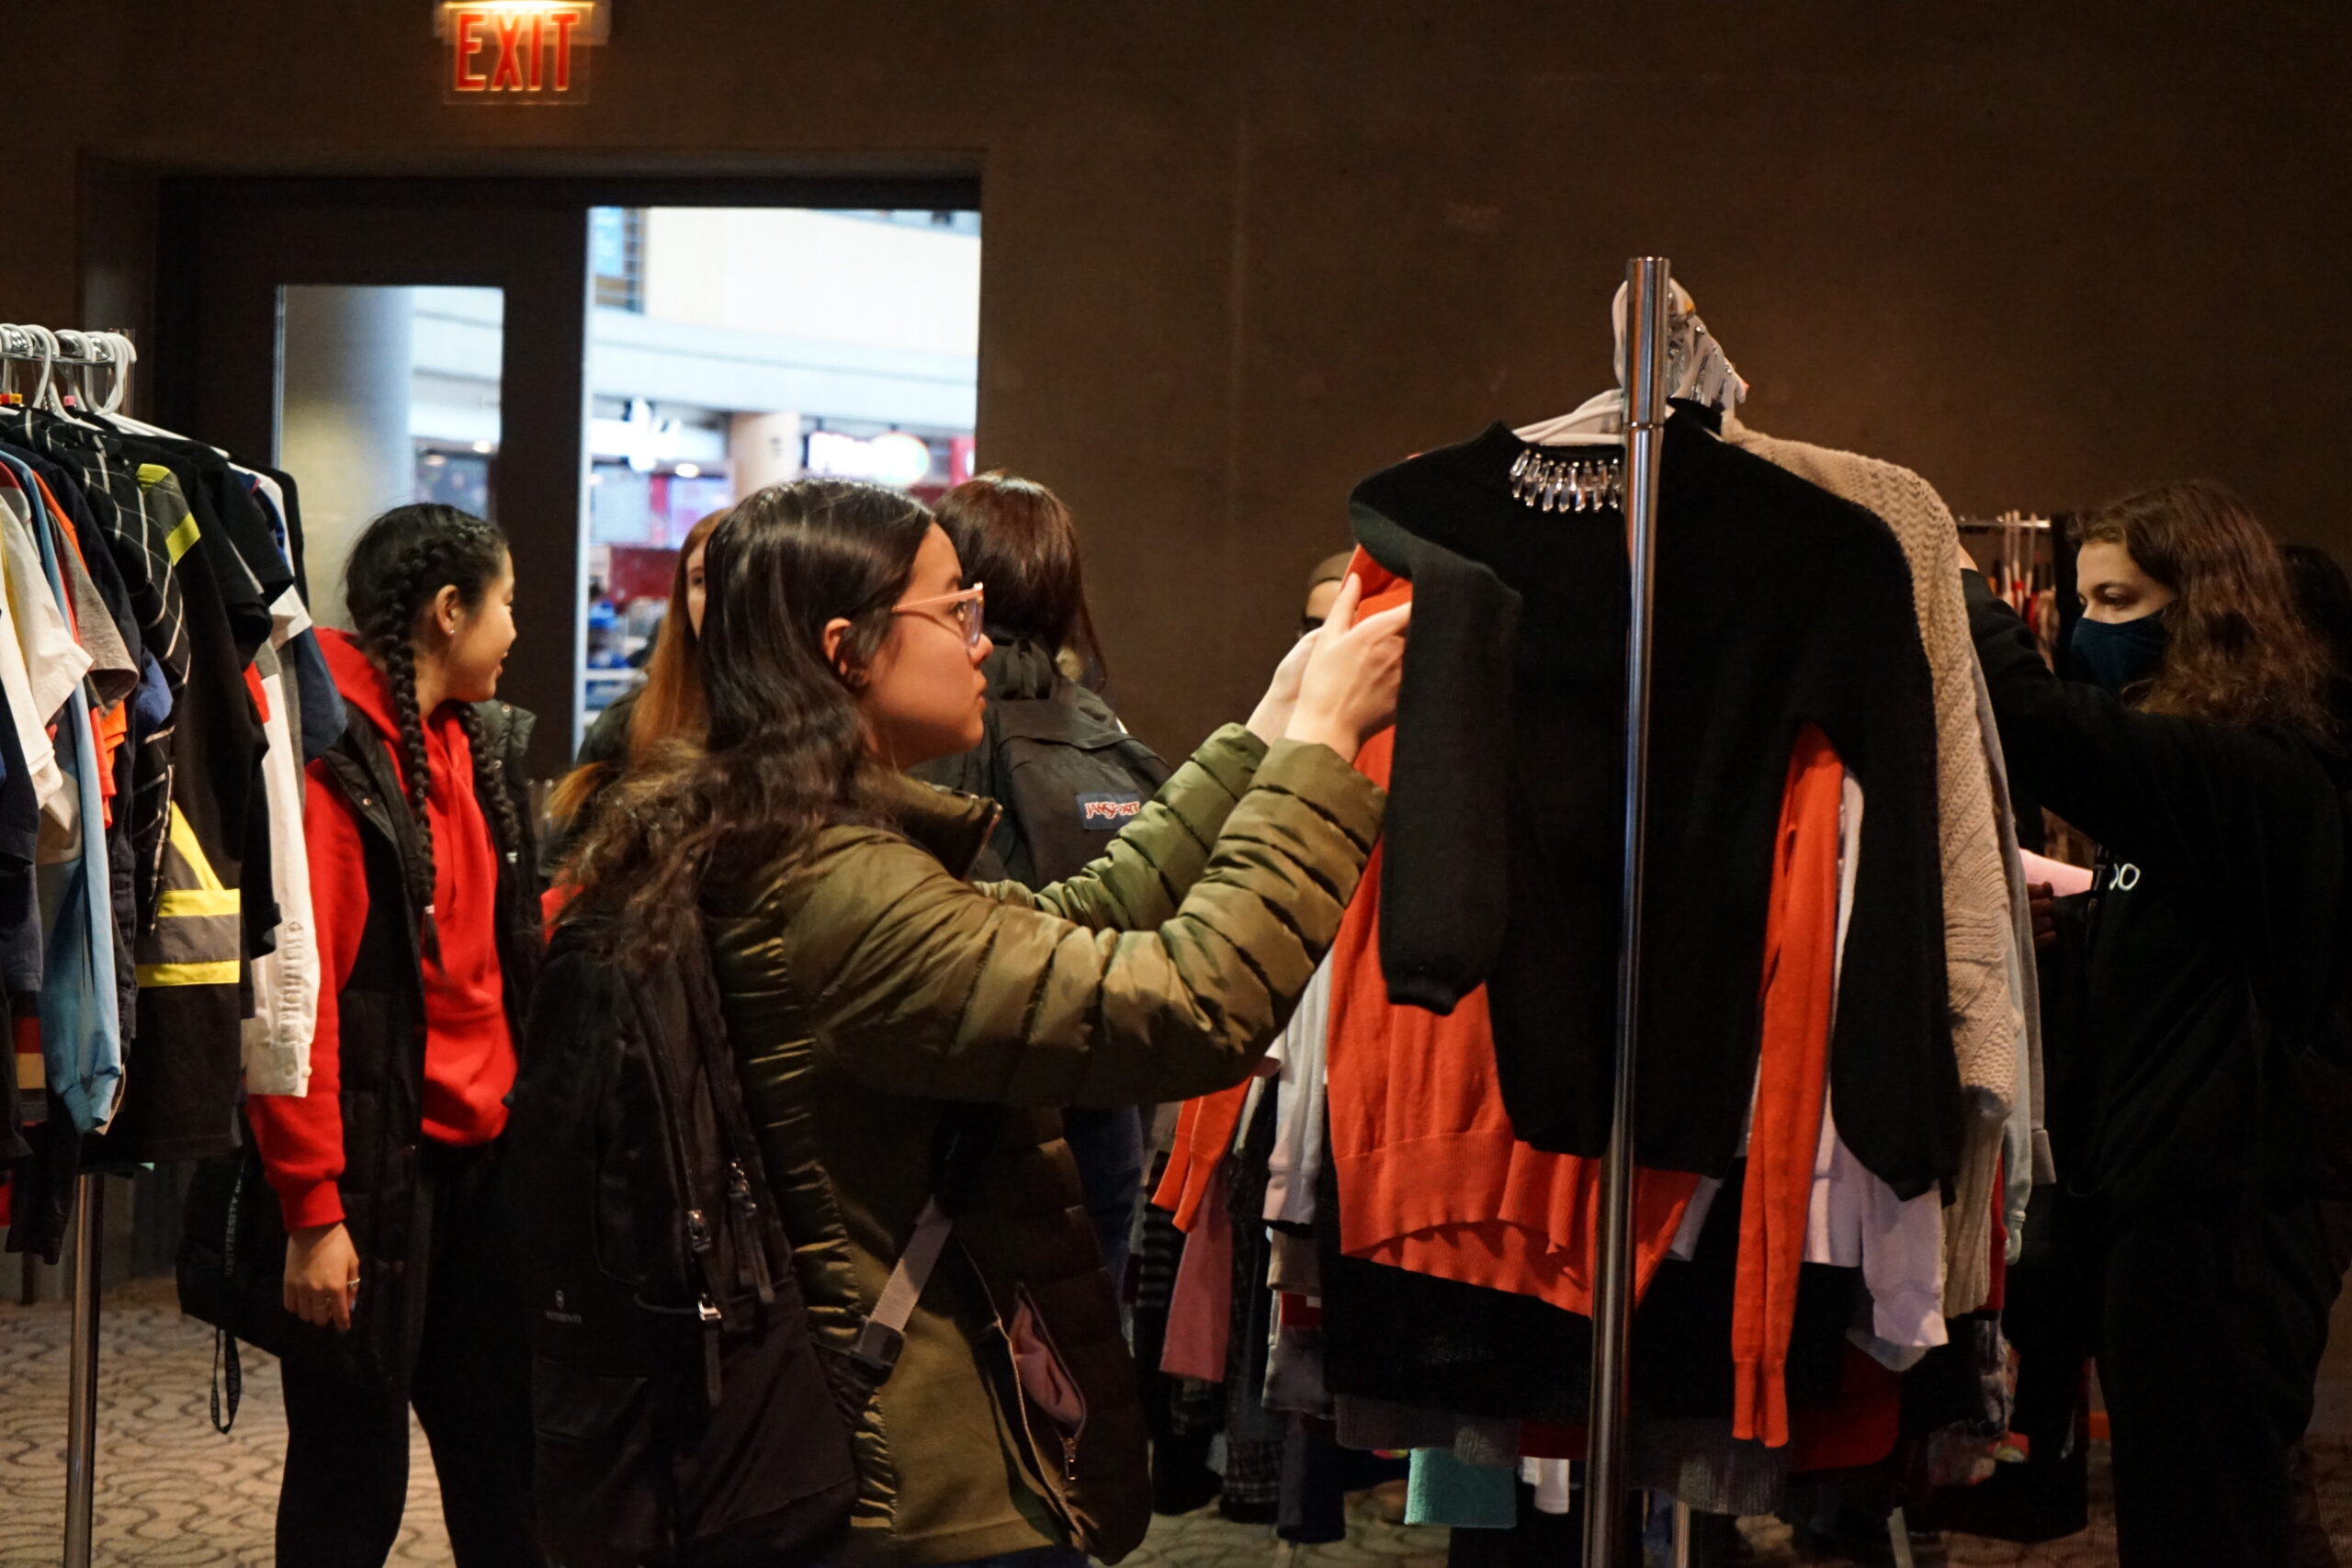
point(468, 1047)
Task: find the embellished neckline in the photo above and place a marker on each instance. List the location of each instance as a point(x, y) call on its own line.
point(1546, 483)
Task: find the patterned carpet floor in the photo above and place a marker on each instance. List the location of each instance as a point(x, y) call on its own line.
point(175, 1493)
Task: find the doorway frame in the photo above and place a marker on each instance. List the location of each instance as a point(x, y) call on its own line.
point(143, 245)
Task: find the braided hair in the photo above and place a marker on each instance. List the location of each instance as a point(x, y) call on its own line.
point(396, 570)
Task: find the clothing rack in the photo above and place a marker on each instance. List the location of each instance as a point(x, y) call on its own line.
point(2020, 539)
point(82, 1368)
point(1648, 281)
point(23, 344)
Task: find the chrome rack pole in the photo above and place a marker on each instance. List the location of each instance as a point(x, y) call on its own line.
point(82, 1354)
point(1647, 282)
point(81, 1370)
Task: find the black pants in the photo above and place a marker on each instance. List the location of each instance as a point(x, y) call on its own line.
point(1108, 1147)
point(346, 1448)
point(2210, 1321)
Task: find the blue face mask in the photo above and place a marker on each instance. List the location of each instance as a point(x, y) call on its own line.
point(2120, 655)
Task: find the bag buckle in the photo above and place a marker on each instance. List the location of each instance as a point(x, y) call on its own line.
point(877, 1349)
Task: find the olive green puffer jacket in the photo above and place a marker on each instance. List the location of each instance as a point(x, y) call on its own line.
point(870, 992)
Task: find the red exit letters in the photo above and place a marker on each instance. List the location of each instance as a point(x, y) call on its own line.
point(515, 48)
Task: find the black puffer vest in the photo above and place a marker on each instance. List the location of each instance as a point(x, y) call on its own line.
point(382, 1031)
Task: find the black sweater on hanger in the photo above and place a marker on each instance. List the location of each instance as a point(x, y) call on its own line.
point(1776, 605)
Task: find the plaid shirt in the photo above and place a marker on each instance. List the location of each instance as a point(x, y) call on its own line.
point(148, 528)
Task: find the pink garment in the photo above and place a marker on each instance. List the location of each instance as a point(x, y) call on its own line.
point(1200, 1313)
point(2064, 880)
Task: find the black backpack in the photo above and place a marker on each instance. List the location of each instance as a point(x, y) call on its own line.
point(682, 1417)
point(1069, 779)
point(1056, 757)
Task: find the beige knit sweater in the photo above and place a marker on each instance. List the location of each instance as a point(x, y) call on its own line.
point(1978, 930)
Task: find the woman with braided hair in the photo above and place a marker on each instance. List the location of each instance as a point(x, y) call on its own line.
point(384, 1170)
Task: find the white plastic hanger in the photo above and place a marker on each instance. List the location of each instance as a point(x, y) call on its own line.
point(47, 396)
point(112, 351)
point(1598, 421)
point(16, 349)
point(1698, 370)
point(126, 355)
point(41, 349)
point(87, 354)
point(122, 354)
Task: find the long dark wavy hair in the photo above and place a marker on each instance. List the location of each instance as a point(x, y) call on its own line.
point(786, 753)
point(2238, 652)
point(399, 567)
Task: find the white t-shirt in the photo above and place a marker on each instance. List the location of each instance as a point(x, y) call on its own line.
point(41, 663)
point(1298, 1140)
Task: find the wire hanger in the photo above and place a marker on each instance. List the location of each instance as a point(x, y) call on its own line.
point(1697, 370)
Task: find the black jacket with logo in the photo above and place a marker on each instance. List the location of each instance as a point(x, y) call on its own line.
point(2216, 928)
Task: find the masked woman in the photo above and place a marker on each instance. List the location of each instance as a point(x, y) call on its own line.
point(2195, 749)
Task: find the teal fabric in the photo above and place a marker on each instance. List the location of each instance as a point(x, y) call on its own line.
point(1446, 1491)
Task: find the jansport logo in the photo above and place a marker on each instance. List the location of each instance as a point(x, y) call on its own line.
point(1108, 813)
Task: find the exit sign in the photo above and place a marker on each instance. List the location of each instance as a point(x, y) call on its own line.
point(518, 51)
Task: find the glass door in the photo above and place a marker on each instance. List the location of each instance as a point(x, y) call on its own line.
point(395, 341)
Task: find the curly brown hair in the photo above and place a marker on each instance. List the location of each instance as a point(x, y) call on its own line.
point(2238, 652)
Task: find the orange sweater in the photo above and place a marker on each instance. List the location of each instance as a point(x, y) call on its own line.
point(1799, 994)
point(1432, 1178)
point(1205, 1132)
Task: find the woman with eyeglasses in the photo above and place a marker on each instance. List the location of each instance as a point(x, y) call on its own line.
point(906, 1035)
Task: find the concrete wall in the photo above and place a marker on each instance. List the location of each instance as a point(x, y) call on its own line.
point(1238, 255)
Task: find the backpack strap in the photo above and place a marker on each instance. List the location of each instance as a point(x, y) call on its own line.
point(885, 1334)
point(756, 1230)
point(967, 1135)
point(965, 1140)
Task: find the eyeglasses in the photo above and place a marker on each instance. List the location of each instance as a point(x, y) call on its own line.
point(967, 611)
